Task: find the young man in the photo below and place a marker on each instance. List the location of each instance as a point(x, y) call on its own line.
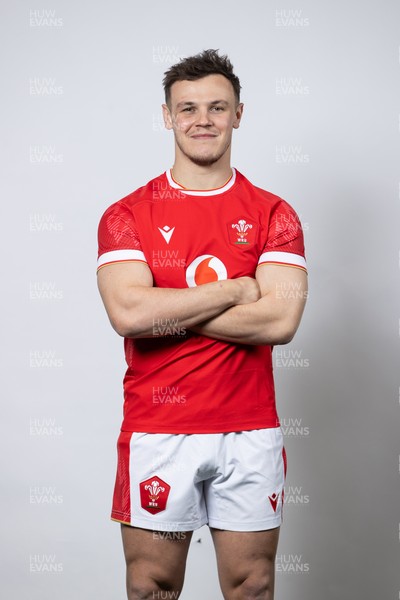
point(192, 269)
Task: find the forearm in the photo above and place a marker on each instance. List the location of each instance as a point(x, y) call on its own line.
point(251, 324)
point(148, 312)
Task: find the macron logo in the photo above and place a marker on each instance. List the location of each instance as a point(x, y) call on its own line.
point(274, 501)
point(166, 232)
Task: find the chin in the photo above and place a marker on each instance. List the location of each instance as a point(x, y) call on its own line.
point(204, 161)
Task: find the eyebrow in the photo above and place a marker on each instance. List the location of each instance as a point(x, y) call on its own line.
point(188, 103)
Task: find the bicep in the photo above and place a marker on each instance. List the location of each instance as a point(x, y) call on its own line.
point(116, 281)
point(284, 290)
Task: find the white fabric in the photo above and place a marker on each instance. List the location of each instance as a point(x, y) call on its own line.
point(214, 192)
point(223, 479)
point(120, 256)
point(283, 257)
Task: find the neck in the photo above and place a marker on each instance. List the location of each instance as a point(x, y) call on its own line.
point(196, 177)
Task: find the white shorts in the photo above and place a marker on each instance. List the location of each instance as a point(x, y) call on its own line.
point(180, 482)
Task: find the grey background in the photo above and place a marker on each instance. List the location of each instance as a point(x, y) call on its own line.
point(81, 127)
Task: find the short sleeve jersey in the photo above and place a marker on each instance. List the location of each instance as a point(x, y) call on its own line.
point(178, 381)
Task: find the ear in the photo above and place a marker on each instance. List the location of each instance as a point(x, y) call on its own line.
point(238, 115)
point(167, 116)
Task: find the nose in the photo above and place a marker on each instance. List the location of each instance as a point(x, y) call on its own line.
point(203, 118)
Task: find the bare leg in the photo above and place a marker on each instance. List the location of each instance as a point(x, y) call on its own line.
point(155, 562)
point(246, 563)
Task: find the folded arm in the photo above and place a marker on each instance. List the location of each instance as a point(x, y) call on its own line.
point(135, 307)
point(272, 319)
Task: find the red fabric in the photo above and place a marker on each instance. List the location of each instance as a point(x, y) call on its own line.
point(121, 509)
point(188, 383)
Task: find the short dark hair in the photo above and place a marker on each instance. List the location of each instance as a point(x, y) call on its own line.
point(208, 62)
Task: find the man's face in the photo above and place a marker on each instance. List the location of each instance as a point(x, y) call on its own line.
point(202, 114)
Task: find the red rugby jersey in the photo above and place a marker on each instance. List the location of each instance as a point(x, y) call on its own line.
point(185, 382)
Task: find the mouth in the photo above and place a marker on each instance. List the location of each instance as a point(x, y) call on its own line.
point(203, 136)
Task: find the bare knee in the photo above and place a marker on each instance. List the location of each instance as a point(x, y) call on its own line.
point(146, 588)
point(256, 587)
point(145, 581)
point(155, 565)
point(256, 584)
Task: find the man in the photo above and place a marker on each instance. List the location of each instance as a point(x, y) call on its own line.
point(192, 269)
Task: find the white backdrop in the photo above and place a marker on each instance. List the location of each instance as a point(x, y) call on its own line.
point(81, 128)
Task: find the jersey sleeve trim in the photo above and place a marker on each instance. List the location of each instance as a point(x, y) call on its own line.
point(120, 256)
point(283, 258)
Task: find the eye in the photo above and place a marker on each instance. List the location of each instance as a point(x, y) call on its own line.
point(188, 109)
